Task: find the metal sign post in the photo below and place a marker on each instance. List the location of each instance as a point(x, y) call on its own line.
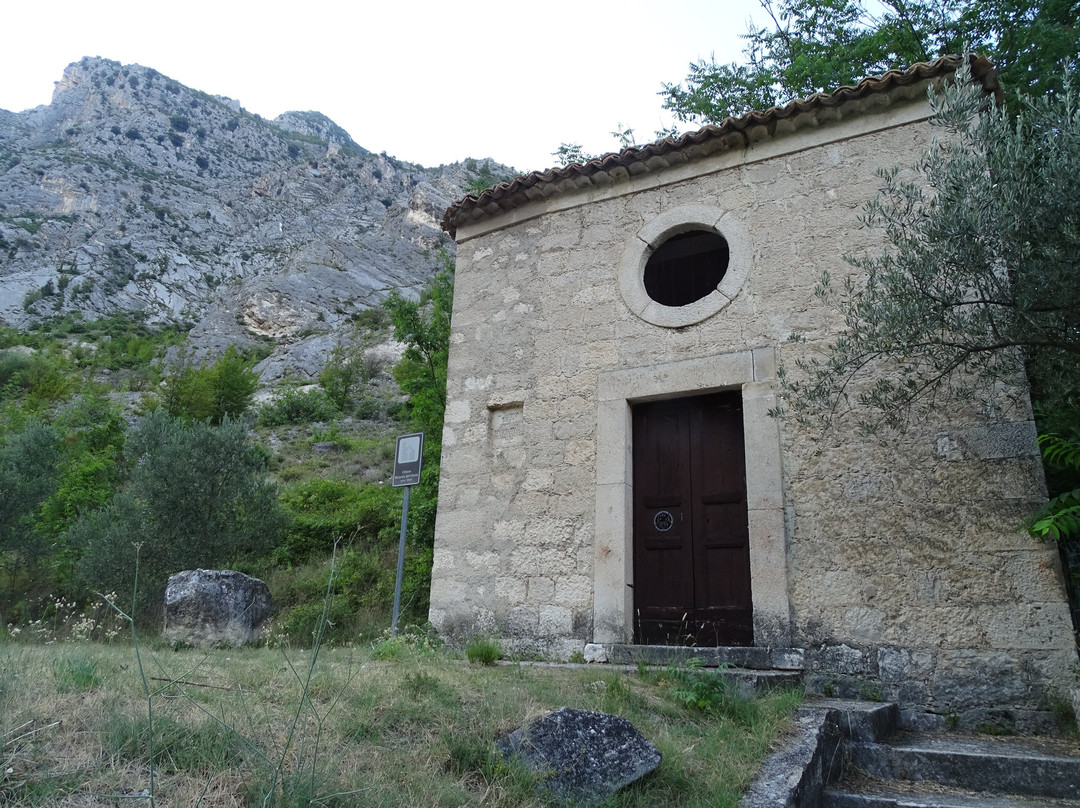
point(408, 458)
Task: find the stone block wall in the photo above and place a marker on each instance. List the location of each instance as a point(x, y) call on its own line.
point(897, 562)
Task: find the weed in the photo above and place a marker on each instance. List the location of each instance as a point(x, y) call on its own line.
point(710, 691)
point(465, 752)
point(483, 650)
point(74, 674)
point(414, 640)
point(996, 728)
point(420, 684)
point(1062, 709)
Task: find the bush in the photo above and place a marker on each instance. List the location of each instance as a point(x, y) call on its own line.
point(12, 366)
point(197, 496)
point(212, 392)
point(28, 463)
point(323, 511)
point(348, 370)
point(298, 407)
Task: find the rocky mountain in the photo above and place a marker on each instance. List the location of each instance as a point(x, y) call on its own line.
point(130, 191)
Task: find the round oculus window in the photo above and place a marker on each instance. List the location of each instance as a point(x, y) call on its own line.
point(686, 267)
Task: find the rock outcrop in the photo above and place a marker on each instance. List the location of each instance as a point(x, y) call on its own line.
point(130, 191)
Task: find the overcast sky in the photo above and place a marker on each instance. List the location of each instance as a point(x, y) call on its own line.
point(428, 82)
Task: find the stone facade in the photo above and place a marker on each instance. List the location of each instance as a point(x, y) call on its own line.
point(896, 564)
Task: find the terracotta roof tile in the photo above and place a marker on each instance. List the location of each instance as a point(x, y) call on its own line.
point(729, 133)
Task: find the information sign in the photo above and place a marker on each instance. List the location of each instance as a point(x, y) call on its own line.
point(407, 459)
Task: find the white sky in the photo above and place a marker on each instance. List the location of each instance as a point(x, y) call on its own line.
point(428, 82)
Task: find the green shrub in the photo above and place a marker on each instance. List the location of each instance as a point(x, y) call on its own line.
point(28, 477)
point(349, 370)
point(366, 578)
point(323, 511)
point(41, 377)
point(698, 688)
point(210, 392)
point(299, 625)
point(197, 496)
point(13, 364)
point(298, 407)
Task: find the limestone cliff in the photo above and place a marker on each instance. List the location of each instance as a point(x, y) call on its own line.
point(130, 191)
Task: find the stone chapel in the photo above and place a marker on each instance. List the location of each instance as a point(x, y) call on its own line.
point(612, 480)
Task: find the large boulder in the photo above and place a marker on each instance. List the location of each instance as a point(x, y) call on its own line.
point(215, 607)
point(581, 757)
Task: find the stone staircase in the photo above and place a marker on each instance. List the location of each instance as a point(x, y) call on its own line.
point(853, 754)
point(913, 770)
point(850, 754)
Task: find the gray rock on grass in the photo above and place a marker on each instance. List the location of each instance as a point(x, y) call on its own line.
point(581, 757)
point(215, 607)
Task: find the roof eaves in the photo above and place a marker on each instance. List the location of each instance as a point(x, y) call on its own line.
point(735, 132)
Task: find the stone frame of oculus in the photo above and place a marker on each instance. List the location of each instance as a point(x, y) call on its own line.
point(685, 265)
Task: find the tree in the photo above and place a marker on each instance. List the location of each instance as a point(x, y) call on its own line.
point(424, 327)
point(28, 464)
point(211, 392)
point(818, 45)
point(349, 369)
point(197, 496)
point(979, 280)
point(981, 269)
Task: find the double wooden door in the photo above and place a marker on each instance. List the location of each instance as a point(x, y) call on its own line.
point(691, 544)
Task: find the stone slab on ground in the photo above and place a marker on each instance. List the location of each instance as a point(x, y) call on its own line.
point(582, 757)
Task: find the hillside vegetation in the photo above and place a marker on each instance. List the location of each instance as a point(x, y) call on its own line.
point(115, 458)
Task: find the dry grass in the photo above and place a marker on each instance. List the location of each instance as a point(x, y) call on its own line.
point(412, 730)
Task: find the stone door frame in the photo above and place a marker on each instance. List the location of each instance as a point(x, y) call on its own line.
point(751, 371)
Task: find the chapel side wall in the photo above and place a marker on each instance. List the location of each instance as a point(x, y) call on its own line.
point(907, 577)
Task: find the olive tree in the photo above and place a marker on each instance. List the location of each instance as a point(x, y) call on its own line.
point(981, 269)
point(197, 495)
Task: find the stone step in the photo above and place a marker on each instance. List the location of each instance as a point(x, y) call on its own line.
point(895, 795)
point(752, 657)
point(747, 680)
point(1043, 768)
point(867, 721)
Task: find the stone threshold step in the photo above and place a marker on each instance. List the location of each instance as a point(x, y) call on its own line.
point(752, 657)
point(887, 798)
point(746, 679)
point(1033, 767)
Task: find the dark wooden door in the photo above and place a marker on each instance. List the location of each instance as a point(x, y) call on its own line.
point(691, 545)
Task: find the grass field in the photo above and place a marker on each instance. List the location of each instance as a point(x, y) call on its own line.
point(401, 722)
